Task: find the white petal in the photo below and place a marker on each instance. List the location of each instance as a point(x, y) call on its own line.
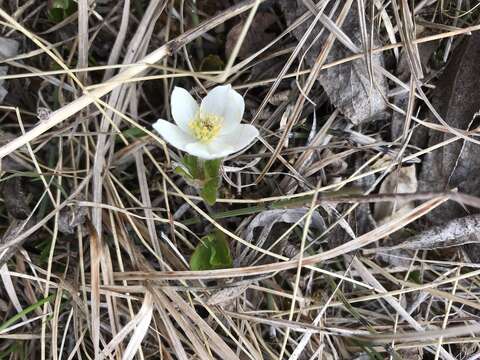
point(173, 134)
point(238, 140)
point(227, 103)
point(208, 151)
point(184, 107)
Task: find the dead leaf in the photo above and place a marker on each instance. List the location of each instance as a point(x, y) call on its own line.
point(456, 99)
point(395, 257)
point(267, 220)
point(401, 181)
point(280, 97)
point(8, 239)
point(13, 162)
point(8, 49)
point(415, 353)
point(257, 36)
point(15, 198)
point(456, 232)
point(348, 85)
point(426, 51)
point(226, 295)
point(70, 217)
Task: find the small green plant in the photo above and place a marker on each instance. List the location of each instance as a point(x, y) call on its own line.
point(202, 174)
point(59, 10)
point(212, 253)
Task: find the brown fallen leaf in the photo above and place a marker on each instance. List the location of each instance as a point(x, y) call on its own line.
point(8, 238)
point(226, 295)
point(257, 36)
point(456, 165)
point(403, 180)
point(8, 49)
point(426, 51)
point(415, 353)
point(456, 99)
point(267, 222)
point(15, 198)
point(456, 232)
point(348, 85)
point(70, 217)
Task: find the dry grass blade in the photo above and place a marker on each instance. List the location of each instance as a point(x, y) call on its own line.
point(358, 243)
point(319, 62)
point(321, 244)
point(95, 255)
point(141, 328)
point(139, 325)
point(369, 278)
point(134, 70)
point(455, 233)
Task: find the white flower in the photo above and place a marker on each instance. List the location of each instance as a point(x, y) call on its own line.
point(211, 130)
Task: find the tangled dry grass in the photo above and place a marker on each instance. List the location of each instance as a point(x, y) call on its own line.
point(97, 229)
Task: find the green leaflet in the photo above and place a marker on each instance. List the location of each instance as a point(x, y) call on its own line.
point(205, 173)
point(211, 253)
point(58, 10)
point(209, 191)
point(211, 168)
point(183, 172)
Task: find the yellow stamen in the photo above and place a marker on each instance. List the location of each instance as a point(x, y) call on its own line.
point(205, 127)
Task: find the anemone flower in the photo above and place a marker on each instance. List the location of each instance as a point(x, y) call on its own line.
point(210, 131)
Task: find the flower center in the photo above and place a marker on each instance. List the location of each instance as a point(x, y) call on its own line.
point(205, 127)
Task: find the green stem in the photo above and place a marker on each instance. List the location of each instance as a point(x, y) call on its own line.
point(282, 204)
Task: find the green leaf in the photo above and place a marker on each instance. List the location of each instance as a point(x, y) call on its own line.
point(200, 259)
point(211, 168)
point(206, 172)
point(181, 171)
point(191, 163)
point(220, 257)
point(211, 253)
point(209, 191)
point(133, 133)
point(55, 15)
point(58, 10)
point(415, 276)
